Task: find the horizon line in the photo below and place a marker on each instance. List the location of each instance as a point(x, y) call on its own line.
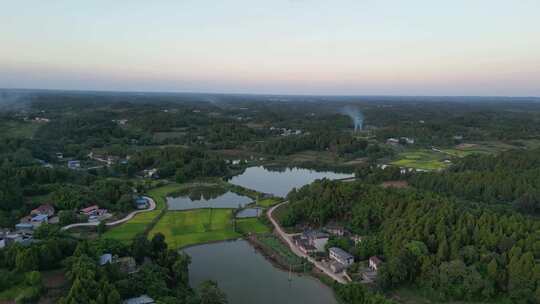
point(171, 92)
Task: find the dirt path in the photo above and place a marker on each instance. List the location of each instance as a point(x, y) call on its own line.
point(288, 239)
point(117, 222)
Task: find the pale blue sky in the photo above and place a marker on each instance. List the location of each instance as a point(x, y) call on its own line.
point(414, 47)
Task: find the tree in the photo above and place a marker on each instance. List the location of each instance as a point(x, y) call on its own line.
point(158, 243)
point(101, 228)
point(66, 217)
point(114, 297)
point(209, 293)
point(27, 260)
point(140, 247)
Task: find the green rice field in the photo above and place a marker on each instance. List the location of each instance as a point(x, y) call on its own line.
point(190, 227)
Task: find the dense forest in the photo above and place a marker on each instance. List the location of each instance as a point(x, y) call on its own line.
point(511, 177)
point(459, 252)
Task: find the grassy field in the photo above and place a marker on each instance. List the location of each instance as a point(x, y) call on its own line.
point(478, 148)
point(251, 225)
point(184, 228)
point(276, 245)
point(421, 159)
point(267, 202)
point(138, 224)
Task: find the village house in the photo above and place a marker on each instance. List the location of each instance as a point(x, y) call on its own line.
point(141, 203)
point(40, 219)
point(74, 164)
point(151, 173)
point(341, 256)
point(24, 227)
point(375, 262)
point(303, 244)
point(46, 209)
point(93, 211)
point(106, 258)
point(316, 239)
point(335, 229)
point(143, 299)
point(407, 140)
point(23, 238)
point(392, 141)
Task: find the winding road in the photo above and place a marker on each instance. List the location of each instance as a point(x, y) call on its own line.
point(288, 239)
point(117, 222)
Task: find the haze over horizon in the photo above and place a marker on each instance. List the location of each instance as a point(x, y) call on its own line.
point(459, 48)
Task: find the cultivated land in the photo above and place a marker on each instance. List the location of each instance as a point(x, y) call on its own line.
point(140, 222)
point(421, 159)
point(190, 227)
point(185, 228)
point(251, 225)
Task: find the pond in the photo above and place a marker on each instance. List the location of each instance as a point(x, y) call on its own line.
point(280, 182)
point(206, 197)
point(249, 212)
point(247, 277)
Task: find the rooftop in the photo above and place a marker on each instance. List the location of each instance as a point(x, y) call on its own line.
point(40, 218)
point(144, 299)
point(314, 234)
point(341, 253)
point(89, 209)
point(105, 258)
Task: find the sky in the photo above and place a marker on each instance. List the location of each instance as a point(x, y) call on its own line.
point(341, 47)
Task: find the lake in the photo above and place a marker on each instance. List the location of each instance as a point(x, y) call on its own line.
point(247, 277)
point(279, 183)
point(206, 198)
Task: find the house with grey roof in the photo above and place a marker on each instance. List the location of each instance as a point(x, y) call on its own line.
point(339, 255)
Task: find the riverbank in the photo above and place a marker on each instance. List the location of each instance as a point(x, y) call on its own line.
point(277, 259)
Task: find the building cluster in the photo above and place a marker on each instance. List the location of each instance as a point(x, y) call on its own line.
point(8, 237)
point(42, 214)
point(315, 241)
point(311, 241)
point(109, 160)
point(401, 140)
point(286, 131)
point(151, 173)
point(94, 213)
point(24, 230)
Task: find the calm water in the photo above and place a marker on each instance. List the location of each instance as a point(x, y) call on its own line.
point(279, 183)
point(247, 277)
point(225, 200)
point(249, 212)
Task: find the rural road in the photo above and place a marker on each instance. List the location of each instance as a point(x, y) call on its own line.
point(117, 222)
point(288, 239)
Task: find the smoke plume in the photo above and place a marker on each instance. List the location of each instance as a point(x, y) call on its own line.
point(356, 116)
